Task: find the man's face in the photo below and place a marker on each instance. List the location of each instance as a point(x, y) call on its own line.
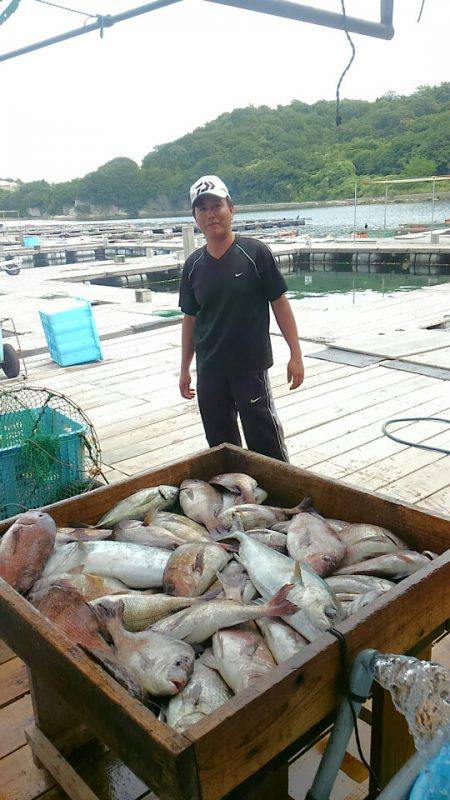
point(213, 216)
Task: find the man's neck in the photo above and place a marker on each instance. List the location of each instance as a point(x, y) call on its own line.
point(216, 248)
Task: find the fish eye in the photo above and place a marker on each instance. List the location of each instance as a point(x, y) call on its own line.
point(330, 612)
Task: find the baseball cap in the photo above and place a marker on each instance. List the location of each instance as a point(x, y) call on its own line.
point(207, 184)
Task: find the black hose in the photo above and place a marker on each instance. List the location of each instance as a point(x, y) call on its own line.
point(415, 444)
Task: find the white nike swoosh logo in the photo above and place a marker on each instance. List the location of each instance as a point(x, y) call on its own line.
point(238, 274)
point(256, 399)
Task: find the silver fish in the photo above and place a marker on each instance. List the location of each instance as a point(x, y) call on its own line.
point(337, 524)
point(192, 568)
point(179, 525)
point(242, 656)
point(137, 505)
point(25, 549)
point(394, 566)
point(367, 541)
point(251, 515)
point(142, 610)
point(282, 640)
point(205, 692)
point(65, 535)
point(138, 567)
point(311, 540)
point(240, 484)
point(88, 586)
point(201, 502)
point(269, 571)
point(274, 539)
point(147, 535)
point(358, 584)
point(198, 623)
point(361, 601)
point(159, 665)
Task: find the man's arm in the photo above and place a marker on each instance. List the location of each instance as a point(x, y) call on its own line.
point(187, 354)
point(287, 325)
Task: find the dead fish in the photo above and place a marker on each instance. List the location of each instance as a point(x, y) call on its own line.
point(361, 601)
point(248, 516)
point(312, 541)
point(237, 585)
point(281, 527)
point(67, 609)
point(358, 584)
point(367, 541)
point(201, 502)
point(65, 535)
point(270, 538)
point(158, 664)
point(240, 484)
point(282, 640)
point(242, 656)
point(205, 692)
point(394, 566)
point(192, 568)
point(337, 524)
point(88, 586)
point(137, 505)
point(138, 567)
point(25, 549)
point(142, 610)
point(198, 623)
point(179, 525)
point(147, 536)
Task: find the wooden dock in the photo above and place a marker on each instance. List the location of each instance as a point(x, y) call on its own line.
point(332, 425)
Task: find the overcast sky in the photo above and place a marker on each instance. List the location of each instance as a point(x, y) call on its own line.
point(69, 108)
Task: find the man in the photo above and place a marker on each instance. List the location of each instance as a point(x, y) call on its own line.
point(225, 291)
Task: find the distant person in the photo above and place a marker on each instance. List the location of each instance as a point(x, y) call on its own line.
point(225, 291)
point(366, 227)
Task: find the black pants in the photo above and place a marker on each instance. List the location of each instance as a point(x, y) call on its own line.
point(222, 398)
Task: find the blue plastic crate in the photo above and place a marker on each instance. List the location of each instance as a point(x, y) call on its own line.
point(22, 484)
point(71, 333)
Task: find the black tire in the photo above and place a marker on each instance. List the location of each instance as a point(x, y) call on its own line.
point(10, 364)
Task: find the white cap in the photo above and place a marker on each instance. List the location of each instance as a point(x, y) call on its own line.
point(208, 184)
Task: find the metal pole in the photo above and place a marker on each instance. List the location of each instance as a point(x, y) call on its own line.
point(354, 211)
point(385, 203)
point(433, 200)
point(100, 24)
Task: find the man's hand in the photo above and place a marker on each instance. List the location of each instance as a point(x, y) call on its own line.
point(185, 385)
point(295, 372)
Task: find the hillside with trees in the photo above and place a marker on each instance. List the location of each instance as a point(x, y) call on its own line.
point(293, 153)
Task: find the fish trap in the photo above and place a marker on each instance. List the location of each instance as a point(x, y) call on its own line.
point(48, 450)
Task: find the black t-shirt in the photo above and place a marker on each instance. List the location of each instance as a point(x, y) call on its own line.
point(229, 296)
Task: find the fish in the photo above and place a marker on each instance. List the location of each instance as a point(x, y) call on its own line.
point(196, 624)
point(179, 525)
point(193, 567)
point(88, 586)
point(236, 584)
point(367, 541)
point(147, 535)
point(311, 540)
point(361, 601)
point(269, 571)
point(358, 584)
point(159, 665)
point(274, 539)
point(69, 612)
point(251, 515)
point(25, 549)
point(138, 567)
point(337, 524)
point(394, 566)
point(201, 502)
point(281, 527)
point(240, 484)
point(205, 693)
point(242, 656)
point(282, 640)
point(137, 505)
point(140, 611)
point(65, 535)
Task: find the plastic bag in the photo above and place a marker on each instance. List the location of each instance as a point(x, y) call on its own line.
point(420, 690)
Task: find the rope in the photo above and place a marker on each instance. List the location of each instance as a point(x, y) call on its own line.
point(338, 88)
point(415, 444)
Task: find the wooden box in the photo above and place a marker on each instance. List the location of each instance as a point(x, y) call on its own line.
point(258, 728)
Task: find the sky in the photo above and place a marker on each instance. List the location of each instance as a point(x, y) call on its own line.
point(68, 108)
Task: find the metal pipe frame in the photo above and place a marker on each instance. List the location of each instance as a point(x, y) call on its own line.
point(284, 8)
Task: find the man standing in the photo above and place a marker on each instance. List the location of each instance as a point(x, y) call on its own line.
point(225, 291)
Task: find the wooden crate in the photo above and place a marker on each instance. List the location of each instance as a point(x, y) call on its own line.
point(246, 742)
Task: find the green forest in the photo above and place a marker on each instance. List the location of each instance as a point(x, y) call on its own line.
point(293, 153)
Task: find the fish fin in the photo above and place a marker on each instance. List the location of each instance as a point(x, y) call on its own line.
point(233, 586)
point(279, 606)
point(195, 692)
point(298, 572)
point(305, 505)
point(107, 609)
point(81, 525)
point(212, 595)
point(199, 562)
point(208, 660)
point(119, 672)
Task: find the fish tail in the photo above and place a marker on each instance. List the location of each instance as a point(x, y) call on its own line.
point(279, 605)
point(305, 505)
point(108, 610)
